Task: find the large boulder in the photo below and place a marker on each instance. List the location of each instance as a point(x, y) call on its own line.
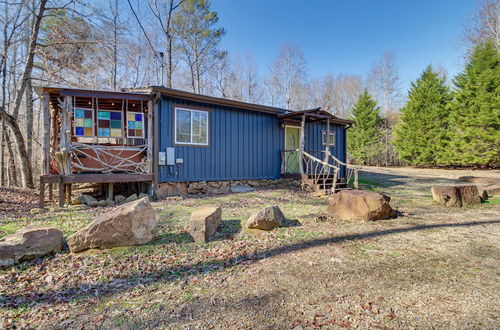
point(133, 223)
point(28, 243)
point(266, 219)
point(456, 196)
point(204, 222)
point(360, 205)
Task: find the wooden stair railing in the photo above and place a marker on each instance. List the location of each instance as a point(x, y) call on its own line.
point(321, 176)
point(351, 170)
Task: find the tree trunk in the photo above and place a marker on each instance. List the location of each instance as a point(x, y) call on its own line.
point(24, 162)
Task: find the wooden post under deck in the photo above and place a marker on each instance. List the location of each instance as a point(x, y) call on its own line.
point(110, 190)
point(301, 145)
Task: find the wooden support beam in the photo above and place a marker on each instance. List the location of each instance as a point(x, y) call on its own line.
point(45, 147)
point(61, 194)
point(110, 190)
point(51, 191)
point(301, 144)
point(69, 188)
point(41, 197)
point(149, 152)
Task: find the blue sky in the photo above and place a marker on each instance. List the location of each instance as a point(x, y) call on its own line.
point(348, 36)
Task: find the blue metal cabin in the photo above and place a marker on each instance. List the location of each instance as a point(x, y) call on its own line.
point(202, 138)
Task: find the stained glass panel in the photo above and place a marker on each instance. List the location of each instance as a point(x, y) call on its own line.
point(109, 124)
point(135, 125)
point(83, 122)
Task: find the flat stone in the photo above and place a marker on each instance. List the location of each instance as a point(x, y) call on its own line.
point(204, 222)
point(241, 189)
point(85, 199)
point(360, 205)
point(133, 223)
point(29, 242)
point(266, 219)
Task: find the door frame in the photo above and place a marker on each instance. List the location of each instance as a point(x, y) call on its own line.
point(284, 145)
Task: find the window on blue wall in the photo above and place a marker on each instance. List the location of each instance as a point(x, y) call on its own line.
point(331, 139)
point(191, 127)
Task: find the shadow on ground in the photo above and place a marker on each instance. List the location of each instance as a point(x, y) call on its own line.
point(140, 278)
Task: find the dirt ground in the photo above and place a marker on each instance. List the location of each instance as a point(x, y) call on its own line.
point(432, 267)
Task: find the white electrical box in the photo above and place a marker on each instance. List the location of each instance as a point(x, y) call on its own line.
point(179, 161)
point(161, 158)
point(171, 156)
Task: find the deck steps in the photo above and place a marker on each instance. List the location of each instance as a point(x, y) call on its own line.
point(323, 185)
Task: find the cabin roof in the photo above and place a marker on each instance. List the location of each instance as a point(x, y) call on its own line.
point(64, 91)
point(316, 114)
point(147, 93)
point(176, 93)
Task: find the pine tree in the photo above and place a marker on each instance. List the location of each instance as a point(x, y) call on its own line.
point(475, 111)
point(421, 135)
point(364, 138)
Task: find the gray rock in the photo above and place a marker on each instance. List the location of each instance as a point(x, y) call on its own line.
point(119, 199)
point(204, 222)
point(131, 198)
point(142, 195)
point(266, 219)
point(241, 189)
point(102, 203)
point(130, 224)
point(110, 202)
point(28, 243)
point(85, 199)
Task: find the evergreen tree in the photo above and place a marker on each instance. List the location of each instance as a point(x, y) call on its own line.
point(421, 135)
point(475, 111)
point(364, 138)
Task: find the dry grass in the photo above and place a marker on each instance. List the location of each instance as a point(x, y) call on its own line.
point(431, 267)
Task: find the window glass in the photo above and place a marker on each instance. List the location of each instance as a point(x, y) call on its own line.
point(183, 126)
point(135, 124)
point(331, 140)
point(191, 127)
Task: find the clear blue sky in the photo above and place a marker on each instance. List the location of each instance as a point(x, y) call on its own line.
point(348, 36)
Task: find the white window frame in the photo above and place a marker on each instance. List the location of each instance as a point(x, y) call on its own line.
point(191, 128)
point(323, 133)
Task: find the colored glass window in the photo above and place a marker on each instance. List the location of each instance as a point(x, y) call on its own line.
point(109, 124)
point(83, 122)
point(135, 125)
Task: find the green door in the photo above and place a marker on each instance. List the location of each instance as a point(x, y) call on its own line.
point(292, 135)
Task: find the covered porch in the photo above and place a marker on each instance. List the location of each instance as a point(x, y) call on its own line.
point(323, 165)
point(94, 136)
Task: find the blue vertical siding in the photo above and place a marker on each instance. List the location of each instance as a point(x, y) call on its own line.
point(243, 144)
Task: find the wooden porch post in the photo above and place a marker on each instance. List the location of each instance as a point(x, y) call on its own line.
point(45, 145)
point(149, 152)
point(301, 144)
point(65, 135)
point(327, 146)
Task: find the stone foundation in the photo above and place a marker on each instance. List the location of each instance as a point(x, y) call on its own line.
point(218, 187)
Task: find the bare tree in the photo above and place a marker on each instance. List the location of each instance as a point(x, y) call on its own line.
point(164, 11)
point(10, 119)
point(287, 77)
point(484, 24)
point(383, 83)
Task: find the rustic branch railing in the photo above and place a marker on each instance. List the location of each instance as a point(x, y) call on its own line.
point(109, 161)
point(320, 171)
point(351, 170)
